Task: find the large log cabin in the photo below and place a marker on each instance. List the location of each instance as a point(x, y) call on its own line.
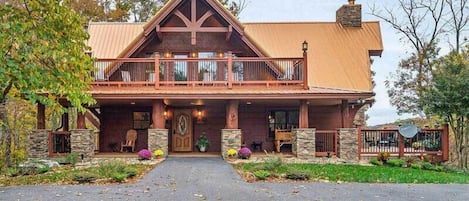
point(194, 69)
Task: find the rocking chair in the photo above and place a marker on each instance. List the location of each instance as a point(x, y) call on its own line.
point(130, 139)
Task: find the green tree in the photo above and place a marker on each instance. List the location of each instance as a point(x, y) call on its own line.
point(102, 10)
point(42, 58)
point(448, 97)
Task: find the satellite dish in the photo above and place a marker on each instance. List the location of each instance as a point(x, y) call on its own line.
point(408, 131)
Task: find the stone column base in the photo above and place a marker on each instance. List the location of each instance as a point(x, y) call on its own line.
point(82, 143)
point(38, 144)
point(158, 139)
point(230, 139)
point(348, 144)
point(304, 143)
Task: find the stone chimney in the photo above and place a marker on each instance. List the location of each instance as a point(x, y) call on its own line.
point(350, 15)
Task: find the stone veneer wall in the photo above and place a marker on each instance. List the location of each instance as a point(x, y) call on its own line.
point(304, 143)
point(230, 139)
point(38, 144)
point(82, 142)
point(348, 144)
point(158, 139)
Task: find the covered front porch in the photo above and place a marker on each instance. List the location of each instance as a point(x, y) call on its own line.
point(251, 122)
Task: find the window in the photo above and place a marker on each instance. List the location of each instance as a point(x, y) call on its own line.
point(282, 119)
point(141, 120)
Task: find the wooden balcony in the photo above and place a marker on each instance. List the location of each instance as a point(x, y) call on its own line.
point(173, 73)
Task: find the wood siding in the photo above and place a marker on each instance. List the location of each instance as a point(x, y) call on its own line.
point(253, 121)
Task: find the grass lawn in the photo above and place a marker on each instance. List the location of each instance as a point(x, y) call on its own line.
point(357, 173)
point(113, 172)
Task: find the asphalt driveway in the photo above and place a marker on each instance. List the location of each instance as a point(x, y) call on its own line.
point(213, 179)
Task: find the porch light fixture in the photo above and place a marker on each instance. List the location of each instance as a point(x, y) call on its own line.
point(167, 54)
point(220, 54)
point(305, 46)
point(132, 103)
point(194, 54)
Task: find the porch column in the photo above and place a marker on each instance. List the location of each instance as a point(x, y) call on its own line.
point(345, 111)
point(158, 139)
point(303, 114)
point(41, 116)
point(38, 144)
point(66, 126)
point(157, 117)
point(82, 143)
point(232, 114)
point(81, 120)
point(304, 143)
point(348, 144)
point(230, 139)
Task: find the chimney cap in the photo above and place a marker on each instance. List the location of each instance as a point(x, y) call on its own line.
point(351, 2)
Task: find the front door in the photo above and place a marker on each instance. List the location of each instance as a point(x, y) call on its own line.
point(182, 130)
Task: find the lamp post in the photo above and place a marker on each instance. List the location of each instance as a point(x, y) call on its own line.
point(304, 47)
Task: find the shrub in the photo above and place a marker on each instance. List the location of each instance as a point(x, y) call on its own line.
point(427, 166)
point(231, 153)
point(271, 163)
point(84, 177)
point(383, 156)
point(158, 153)
point(410, 160)
point(261, 174)
point(376, 162)
point(12, 172)
point(119, 176)
point(72, 158)
point(144, 154)
point(439, 168)
point(43, 169)
point(107, 169)
point(244, 153)
point(416, 166)
point(131, 172)
point(298, 176)
point(396, 162)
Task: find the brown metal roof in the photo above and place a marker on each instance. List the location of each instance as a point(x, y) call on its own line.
point(338, 57)
point(108, 39)
point(208, 90)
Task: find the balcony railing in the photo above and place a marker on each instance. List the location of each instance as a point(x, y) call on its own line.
point(426, 141)
point(198, 72)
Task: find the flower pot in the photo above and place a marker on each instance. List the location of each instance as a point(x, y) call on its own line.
point(202, 148)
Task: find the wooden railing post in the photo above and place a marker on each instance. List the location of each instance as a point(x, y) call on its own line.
point(359, 138)
point(157, 70)
point(230, 70)
point(400, 142)
point(445, 142)
point(305, 70)
point(336, 137)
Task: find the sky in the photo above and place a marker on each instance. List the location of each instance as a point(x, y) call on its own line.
point(321, 10)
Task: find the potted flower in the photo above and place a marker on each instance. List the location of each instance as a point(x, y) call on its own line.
point(202, 143)
point(231, 154)
point(158, 153)
point(244, 153)
point(144, 154)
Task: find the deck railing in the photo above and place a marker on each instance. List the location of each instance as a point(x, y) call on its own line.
point(326, 142)
point(426, 141)
point(196, 72)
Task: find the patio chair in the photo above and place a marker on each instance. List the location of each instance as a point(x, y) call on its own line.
point(130, 139)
